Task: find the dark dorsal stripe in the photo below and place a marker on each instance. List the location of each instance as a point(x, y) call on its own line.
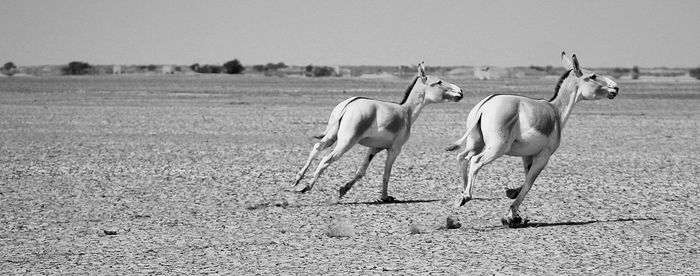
point(558, 86)
point(408, 90)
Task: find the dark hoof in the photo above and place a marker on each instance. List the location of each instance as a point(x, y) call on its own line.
point(511, 222)
point(513, 193)
point(342, 191)
point(302, 189)
point(297, 180)
point(461, 201)
point(388, 199)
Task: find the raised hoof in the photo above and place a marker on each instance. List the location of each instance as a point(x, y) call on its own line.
point(302, 189)
point(297, 179)
point(513, 193)
point(388, 199)
point(461, 201)
point(342, 191)
point(511, 222)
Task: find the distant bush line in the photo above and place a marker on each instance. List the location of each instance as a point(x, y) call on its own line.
point(281, 69)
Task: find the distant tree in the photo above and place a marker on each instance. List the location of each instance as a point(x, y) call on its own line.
point(259, 68)
point(695, 73)
point(233, 67)
point(9, 66)
point(275, 66)
point(9, 69)
point(323, 71)
point(309, 69)
point(77, 68)
point(194, 67)
point(210, 69)
point(635, 72)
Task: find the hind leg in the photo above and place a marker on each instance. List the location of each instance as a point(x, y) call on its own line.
point(527, 164)
point(340, 148)
point(474, 146)
point(371, 152)
point(325, 142)
point(488, 155)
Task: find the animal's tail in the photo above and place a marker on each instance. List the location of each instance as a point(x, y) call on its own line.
point(470, 127)
point(472, 121)
point(336, 116)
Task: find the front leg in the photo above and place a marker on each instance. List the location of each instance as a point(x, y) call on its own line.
point(371, 152)
point(390, 158)
point(527, 164)
point(538, 163)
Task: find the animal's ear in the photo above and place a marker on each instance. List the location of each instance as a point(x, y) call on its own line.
point(421, 71)
point(577, 69)
point(566, 61)
point(571, 64)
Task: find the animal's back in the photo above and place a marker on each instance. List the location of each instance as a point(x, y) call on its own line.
point(374, 123)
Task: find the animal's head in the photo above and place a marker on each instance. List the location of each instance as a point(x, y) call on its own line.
point(437, 90)
point(591, 86)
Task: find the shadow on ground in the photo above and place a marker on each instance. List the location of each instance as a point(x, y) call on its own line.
point(390, 202)
point(572, 223)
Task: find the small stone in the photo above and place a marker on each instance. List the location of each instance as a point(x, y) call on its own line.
point(414, 229)
point(110, 231)
point(452, 222)
point(282, 203)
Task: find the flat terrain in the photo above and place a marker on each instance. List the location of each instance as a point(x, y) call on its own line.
point(188, 175)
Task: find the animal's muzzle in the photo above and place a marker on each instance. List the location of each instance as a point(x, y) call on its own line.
point(612, 92)
point(459, 97)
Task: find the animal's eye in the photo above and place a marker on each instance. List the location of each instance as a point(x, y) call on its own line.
point(437, 83)
point(593, 76)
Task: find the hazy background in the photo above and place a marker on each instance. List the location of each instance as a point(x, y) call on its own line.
point(502, 33)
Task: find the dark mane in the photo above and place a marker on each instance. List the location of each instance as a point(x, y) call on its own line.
point(558, 86)
point(408, 90)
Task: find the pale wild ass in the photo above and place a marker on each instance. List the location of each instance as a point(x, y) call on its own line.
point(378, 125)
point(520, 126)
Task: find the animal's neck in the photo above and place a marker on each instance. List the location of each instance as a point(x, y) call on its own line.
point(414, 104)
point(565, 100)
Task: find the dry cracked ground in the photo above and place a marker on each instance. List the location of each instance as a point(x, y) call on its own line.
point(191, 175)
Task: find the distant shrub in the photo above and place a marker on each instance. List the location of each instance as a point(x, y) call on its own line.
point(259, 68)
point(78, 68)
point(695, 73)
point(207, 68)
point(9, 66)
point(233, 67)
point(210, 69)
point(635, 72)
point(275, 66)
point(269, 67)
point(9, 69)
point(319, 71)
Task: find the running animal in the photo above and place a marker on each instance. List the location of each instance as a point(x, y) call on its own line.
point(520, 126)
point(378, 125)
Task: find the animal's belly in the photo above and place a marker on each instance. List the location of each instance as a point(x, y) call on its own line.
point(529, 144)
point(382, 140)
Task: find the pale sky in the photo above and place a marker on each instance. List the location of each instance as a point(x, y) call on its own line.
point(366, 32)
